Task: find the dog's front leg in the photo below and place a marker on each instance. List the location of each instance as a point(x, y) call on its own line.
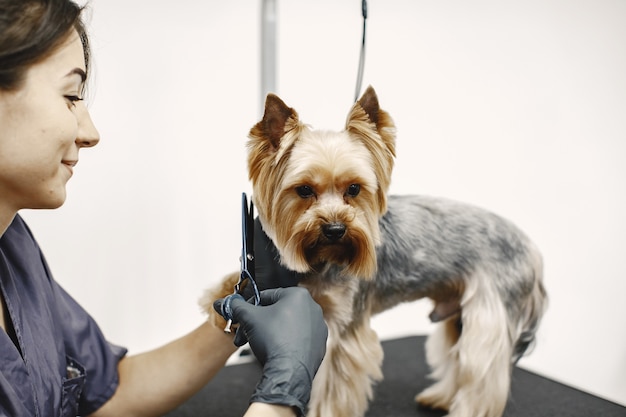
point(343, 384)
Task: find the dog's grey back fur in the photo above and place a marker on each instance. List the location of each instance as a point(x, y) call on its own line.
point(427, 241)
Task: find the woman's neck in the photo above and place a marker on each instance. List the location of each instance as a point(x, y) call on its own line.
point(6, 218)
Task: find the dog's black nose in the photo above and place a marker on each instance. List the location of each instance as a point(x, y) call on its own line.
point(334, 231)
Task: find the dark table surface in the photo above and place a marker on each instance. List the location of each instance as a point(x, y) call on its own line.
point(405, 372)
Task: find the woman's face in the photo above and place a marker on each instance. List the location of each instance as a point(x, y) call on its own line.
point(43, 125)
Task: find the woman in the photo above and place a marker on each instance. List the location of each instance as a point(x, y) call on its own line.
point(55, 361)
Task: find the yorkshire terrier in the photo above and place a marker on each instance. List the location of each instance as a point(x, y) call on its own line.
point(322, 199)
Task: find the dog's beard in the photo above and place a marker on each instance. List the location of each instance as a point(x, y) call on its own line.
point(305, 247)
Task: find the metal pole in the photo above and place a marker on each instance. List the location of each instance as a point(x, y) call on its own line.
point(268, 49)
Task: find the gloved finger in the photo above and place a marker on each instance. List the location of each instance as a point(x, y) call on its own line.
point(224, 306)
point(240, 337)
point(296, 296)
point(217, 306)
point(238, 308)
point(269, 297)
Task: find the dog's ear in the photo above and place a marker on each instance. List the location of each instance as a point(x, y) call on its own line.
point(269, 144)
point(367, 109)
point(274, 123)
point(369, 103)
point(375, 128)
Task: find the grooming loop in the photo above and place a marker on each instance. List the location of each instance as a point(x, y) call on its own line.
point(359, 77)
point(247, 262)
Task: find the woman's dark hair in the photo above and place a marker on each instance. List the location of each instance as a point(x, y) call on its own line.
point(31, 30)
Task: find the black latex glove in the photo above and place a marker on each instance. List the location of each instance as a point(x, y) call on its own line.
point(269, 273)
point(287, 334)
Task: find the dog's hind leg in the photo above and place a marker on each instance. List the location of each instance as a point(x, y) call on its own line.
point(483, 352)
point(471, 355)
point(443, 360)
point(343, 384)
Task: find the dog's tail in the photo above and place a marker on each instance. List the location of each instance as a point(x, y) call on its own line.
point(532, 310)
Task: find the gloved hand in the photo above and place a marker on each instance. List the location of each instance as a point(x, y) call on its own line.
point(269, 273)
point(287, 334)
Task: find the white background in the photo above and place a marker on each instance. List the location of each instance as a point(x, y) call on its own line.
point(517, 106)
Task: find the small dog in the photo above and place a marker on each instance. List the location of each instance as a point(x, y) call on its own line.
point(322, 198)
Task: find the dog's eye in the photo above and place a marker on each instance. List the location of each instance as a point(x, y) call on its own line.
point(305, 191)
point(353, 190)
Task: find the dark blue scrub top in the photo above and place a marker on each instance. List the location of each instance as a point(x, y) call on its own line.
point(63, 366)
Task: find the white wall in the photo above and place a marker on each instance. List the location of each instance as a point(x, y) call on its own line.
point(516, 106)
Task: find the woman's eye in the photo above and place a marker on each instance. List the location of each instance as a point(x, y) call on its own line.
point(73, 99)
point(305, 191)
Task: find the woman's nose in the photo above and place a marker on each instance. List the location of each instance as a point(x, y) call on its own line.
point(88, 135)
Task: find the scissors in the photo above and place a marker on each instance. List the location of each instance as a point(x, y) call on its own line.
point(247, 262)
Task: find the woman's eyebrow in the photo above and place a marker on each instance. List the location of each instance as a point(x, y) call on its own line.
point(78, 71)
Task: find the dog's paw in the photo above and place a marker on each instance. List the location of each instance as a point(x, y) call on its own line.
point(223, 289)
point(206, 305)
point(434, 397)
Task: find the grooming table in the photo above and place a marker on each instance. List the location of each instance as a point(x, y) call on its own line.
point(405, 372)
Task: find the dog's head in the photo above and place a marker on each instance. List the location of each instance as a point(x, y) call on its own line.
point(320, 194)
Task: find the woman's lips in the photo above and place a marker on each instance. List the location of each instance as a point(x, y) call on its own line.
point(70, 165)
